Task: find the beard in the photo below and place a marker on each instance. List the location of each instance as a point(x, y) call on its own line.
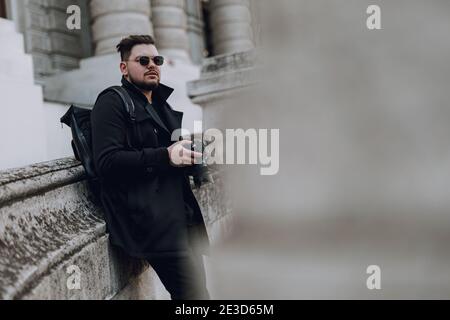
point(143, 85)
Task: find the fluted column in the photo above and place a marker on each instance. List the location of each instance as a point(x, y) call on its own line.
point(195, 30)
point(170, 26)
point(231, 26)
point(114, 19)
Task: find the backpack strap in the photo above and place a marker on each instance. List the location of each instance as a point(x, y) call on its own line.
point(126, 99)
point(129, 107)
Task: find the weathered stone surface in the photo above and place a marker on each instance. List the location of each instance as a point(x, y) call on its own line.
point(221, 75)
point(45, 216)
point(48, 224)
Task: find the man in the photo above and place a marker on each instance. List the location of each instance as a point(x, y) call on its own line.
point(150, 210)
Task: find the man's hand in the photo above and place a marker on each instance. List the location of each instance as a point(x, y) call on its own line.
point(181, 156)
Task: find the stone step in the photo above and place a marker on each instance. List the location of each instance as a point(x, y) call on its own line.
point(24, 83)
point(15, 80)
point(12, 44)
point(19, 67)
point(7, 26)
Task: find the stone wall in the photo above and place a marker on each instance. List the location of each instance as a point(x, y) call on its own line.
point(48, 224)
point(54, 47)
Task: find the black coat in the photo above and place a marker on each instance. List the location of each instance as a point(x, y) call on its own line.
point(147, 202)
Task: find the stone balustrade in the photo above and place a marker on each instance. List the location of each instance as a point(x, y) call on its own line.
point(50, 228)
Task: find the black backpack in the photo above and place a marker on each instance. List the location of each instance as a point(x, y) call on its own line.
point(79, 121)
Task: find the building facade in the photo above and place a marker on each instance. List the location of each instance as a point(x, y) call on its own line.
point(48, 65)
point(48, 223)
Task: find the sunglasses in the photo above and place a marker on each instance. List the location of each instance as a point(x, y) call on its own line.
point(145, 60)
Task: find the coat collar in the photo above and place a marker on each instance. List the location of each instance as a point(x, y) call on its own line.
point(160, 94)
point(159, 97)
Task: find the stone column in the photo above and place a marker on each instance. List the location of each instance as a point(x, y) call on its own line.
point(195, 30)
point(170, 25)
point(231, 26)
point(114, 19)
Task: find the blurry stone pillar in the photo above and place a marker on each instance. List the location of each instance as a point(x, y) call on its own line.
point(195, 30)
point(116, 19)
point(231, 26)
point(170, 25)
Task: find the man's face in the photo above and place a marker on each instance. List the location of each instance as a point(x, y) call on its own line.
point(145, 77)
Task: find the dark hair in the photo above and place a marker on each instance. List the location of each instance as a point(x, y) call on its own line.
point(126, 44)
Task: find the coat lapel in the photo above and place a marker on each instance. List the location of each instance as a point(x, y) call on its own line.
point(161, 94)
point(174, 118)
point(150, 109)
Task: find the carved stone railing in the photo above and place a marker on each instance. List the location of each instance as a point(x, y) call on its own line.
point(51, 234)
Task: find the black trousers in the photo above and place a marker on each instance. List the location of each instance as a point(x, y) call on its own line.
point(183, 276)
